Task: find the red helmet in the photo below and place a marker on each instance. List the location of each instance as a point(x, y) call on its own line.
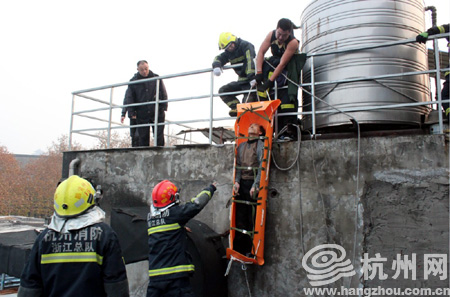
point(164, 194)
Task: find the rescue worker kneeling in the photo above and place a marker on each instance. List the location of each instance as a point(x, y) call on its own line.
point(169, 264)
point(77, 254)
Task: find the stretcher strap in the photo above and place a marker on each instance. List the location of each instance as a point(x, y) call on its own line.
point(242, 136)
point(232, 258)
point(246, 202)
point(253, 109)
point(243, 231)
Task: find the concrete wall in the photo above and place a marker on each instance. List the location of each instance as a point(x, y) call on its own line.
point(401, 195)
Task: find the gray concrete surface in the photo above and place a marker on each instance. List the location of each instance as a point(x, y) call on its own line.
point(401, 195)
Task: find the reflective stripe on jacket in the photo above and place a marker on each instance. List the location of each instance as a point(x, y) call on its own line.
point(167, 240)
point(84, 262)
point(243, 53)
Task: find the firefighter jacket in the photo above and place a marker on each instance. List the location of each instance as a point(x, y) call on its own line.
point(440, 30)
point(77, 262)
point(243, 53)
point(145, 92)
point(167, 240)
point(248, 161)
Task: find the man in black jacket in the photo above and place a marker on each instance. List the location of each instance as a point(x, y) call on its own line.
point(145, 114)
point(169, 264)
point(236, 51)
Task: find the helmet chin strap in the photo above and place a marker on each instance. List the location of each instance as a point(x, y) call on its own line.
point(98, 194)
point(156, 211)
point(177, 197)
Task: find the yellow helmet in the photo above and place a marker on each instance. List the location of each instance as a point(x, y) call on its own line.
point(225, 39)
point(73, 196)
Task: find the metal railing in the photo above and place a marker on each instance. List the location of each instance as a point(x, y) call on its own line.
point(110, 105)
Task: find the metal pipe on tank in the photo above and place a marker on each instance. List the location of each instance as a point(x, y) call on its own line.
point(434, 24)
point(433, 15)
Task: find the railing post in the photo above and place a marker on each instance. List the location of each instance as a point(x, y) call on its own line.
point(211, 102)
point(2, 282)
point(276, 112)
point(438, 84)
point(313, 94)
point(71, 123)
point(155, 140)
point(108, 143)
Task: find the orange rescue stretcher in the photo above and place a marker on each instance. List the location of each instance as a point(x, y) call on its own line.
point(261, 113)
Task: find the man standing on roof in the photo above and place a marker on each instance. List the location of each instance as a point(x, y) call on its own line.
point(422, 38)
point(77, 254)
point(284, 62)
point(169, 264)
point(145, 114)
point(249, 157)
point(236, 51)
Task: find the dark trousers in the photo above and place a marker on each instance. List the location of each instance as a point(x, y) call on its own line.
point(134, 133)
point(288, 104)
point(144, 132)
point(235, 86)
point(244, 218)
point(179, 287)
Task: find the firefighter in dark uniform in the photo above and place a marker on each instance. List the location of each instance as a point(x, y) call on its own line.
point(422, 38)
point(236, 51)
point(169, 263)
point(286, 60)
point(77, 254)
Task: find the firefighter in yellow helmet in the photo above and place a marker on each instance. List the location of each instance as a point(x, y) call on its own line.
point(77, 254)
point(169, 265)
point(236, 51)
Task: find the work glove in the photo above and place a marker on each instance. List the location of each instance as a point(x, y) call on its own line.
point(259, 78)
point(211, 188)
point(217, 71)
point(422, 37)
point(253, 83)
point(268, 84)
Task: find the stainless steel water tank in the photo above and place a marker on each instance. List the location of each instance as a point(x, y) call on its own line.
point(330, 25)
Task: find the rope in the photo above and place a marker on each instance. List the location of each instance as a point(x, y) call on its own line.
point(232, 258)
point(314, 96)
point(246, 280)
point(358, 159)
point(320, 193)
point(299, 137)
point(248, 95)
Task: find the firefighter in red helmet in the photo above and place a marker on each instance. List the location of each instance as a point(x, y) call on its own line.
point(169, 264)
